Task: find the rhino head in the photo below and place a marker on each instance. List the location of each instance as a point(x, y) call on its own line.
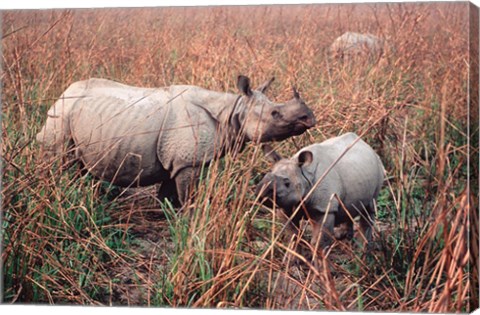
point(287, 183)
point(263, 120)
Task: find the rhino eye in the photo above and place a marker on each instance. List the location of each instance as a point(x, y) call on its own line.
point(303, 118)
point(286, 182)
point(276, 114)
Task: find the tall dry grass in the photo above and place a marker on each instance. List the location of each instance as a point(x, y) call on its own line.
point(68, 238)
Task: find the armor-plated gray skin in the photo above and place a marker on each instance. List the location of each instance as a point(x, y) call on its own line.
point(133, 136)
point(356, 179)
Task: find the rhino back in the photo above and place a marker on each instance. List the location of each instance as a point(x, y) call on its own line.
point(102, 87)
point(356, 178)
point(57, 126)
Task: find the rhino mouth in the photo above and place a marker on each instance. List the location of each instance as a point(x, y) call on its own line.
point(269, 200)
point(303, 124)
point(290, 129)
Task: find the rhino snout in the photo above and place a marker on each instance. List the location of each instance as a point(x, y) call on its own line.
point(285, 126)
point(299, 114)
point(265, 187)
point(297, 121)
point(278, 188)
point(305, 122)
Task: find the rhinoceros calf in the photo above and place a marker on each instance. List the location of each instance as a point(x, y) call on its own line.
point(355, 178)
point(355, 46)
point(134, 136)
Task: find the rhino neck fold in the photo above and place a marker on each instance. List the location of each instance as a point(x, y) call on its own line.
point(218, 105)
point(231, 127)
point(233, 120)
point(225, 110)
point(309, 182)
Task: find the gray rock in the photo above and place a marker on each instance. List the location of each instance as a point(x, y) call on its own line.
point(356, 47)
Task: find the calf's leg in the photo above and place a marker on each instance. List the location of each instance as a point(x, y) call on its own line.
point(344, 231)
point(322, 237)
point(323, 233)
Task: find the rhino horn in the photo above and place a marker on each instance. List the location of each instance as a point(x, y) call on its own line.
point(263, 88)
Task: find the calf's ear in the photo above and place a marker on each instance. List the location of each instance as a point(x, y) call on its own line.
point(270, 153)
point(243, 84)
point(305, 158)
point(263, 88)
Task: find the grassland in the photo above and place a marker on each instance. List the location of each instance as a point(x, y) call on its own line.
point(71, 239)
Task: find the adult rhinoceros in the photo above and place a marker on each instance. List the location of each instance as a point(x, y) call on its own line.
point(133, 136)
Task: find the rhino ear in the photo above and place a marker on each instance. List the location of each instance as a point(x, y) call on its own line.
point(263, 88)
point(270, 153)
point(243, 84)
point(295, 93)
point(305, 158)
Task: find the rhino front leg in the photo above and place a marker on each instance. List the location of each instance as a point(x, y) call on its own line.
point(168, 190)
point(344, 231)
point(322, 236)
point(186, 180)
point(293, 233)
point(367, 223)
point(322, 232)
